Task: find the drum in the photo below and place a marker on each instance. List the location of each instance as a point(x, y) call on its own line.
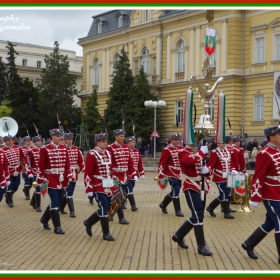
point(117, 200)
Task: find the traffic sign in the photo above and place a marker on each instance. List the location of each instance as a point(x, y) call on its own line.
point(155, 134)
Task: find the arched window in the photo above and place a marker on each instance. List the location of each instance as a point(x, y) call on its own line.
point(145, 60)
point(95, 72)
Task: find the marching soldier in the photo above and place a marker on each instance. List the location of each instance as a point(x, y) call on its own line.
point(265, 188)
point(28, 178)
point(195, 186)
point(76, 161)
point(54, 167)
point(16, 162)
point(169, 167)
point(99, 183)
point(122, 165)
point(138, 166)
point(222, 161)
point(4, 174)
point(34, 154)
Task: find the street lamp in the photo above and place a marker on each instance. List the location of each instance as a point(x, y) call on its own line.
point(155, 105)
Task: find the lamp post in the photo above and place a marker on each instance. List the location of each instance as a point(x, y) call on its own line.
point(155, 105)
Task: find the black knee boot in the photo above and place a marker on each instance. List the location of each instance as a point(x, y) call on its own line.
point(105, 229)
point(199, 235)
point(38, 202)
point(253, 240)
point(179, 235)
point(62, 205)
point(70, 203)
point(26, 192)
point(122, 219)
point(56, 221)
point(9, 199)
point(212, 207)
point(167, 199)
point(132, 202)
point(45, 218)
point(177, 207)
point(277, 240)
point(225, 206)
point(229, 202)
point(88, 223)
point(33, 201)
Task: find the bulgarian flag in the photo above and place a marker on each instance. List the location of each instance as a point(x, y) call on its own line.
point(44, 188)
point(210, 41)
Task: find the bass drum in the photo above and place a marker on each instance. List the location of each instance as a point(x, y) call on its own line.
point(8, 126)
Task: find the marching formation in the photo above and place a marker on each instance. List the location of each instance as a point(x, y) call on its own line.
point(111, 171)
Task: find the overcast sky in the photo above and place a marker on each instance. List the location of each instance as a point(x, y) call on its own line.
point(43, 27)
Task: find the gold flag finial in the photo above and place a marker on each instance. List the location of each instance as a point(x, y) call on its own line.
point(210, 16)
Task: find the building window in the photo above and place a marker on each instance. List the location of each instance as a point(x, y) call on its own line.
point(101, 22)
point(259, 108)
point(277, 47)
point(121, 20)
point(39, 63)
point(179, 111)
point(136, 67)
point(180, 61)
point(146, 15)
point(145, 60)
point(24, 62)
point(260, 49)
point(95, 72)
point(210, 109)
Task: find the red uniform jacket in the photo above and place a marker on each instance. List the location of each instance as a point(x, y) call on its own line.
point(15, 156)
point(122, 163)
point(241, 166)
point(98, 166)
point(25, 150)
point(33, 154)
point(4, 170)
point(137, 162)
point(266, 180)
point(220, 161)
point(169, 162)
point(191, 162)
point(54, 166)
point(76, 160)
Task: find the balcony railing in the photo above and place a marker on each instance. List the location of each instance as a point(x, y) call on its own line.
point(179, 76)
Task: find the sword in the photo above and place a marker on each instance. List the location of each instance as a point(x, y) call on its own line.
point(36, 129)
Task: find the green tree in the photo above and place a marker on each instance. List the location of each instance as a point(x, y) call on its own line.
point(121, 85)
point(92, 119)
point(3, 80)
point(5, 109)
point(25, 107)
point(13, 78)
point(143, 118)
point(56, 93)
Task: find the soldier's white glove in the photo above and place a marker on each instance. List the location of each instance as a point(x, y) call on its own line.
point(142, 177)
point(8, 183)
point(30, 176)
point(234, 172)
point(254, 204)
point(90, 194)
point(135, 178)
point(204, 170)
point(204, 149)
point(208, 181)
point(246, 174)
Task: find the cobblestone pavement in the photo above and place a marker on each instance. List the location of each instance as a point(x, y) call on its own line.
point(145, 244)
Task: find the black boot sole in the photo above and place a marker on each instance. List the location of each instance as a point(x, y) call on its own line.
point(212, 214)
point(181, 245)
point(88, 230)
point(252, 256)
